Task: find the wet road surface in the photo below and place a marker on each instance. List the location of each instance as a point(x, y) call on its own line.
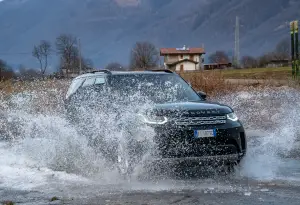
point(225, 190)
point(254, 194)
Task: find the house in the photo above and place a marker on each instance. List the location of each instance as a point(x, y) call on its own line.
point(278, 63)
point(213, 66)
point(182, 59)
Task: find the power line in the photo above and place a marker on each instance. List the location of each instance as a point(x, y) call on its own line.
point(16, 53)
point(26, 53)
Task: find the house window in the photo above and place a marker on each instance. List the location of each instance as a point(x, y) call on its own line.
point(181, 68)
point(181, 56)
point(192, 57)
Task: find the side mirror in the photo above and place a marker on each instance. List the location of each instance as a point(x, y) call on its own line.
point(202, 94)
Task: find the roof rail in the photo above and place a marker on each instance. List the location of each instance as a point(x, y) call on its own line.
point(100, 71)
point(162, 70)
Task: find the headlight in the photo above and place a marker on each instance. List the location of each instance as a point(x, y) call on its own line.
point(154, 120)
point(232, 116)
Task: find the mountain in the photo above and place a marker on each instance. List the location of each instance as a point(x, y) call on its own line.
point(109, 28)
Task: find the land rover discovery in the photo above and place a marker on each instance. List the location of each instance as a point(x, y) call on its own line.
point(188, 128)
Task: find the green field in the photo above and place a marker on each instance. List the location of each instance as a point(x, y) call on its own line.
point(257, 73)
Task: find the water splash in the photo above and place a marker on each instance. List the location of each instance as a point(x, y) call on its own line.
point(271, 118)
point(39, 144)
point(46, 141)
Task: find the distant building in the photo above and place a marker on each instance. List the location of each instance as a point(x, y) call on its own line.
point(182, 59)
point(213, 66)
point(278, 63)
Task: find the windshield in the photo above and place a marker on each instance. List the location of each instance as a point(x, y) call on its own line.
point(161, 88)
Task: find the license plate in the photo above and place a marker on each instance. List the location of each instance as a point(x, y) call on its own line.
point(205, 133)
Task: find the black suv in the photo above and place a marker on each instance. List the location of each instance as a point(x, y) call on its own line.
point(188, 128)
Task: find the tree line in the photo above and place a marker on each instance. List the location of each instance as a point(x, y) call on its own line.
point(280, 52)
point(67, 48)
point(143, 55)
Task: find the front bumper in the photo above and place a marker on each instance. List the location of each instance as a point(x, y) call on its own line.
point(177, 144)
point(216, 160)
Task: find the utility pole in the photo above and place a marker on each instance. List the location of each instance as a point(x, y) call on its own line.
point(79, 49)
point(294, 48)
point(237, 42)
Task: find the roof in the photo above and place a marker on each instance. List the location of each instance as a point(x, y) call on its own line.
point(183, 60)
point(278, 60)
point(164, 51)
point(123, 73)
point(217, 63)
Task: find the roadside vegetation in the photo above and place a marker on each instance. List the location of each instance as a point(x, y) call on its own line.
point(250, 72)
point(214, 82)
point(218, 82)
point(282, 73)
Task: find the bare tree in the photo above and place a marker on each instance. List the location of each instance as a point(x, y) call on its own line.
point(86, 63)
point(144, 55)
point(219, 57)
point(27, 73)
point(3, 65)
point(4, 70)
point(265, 59)
point(282, 50)
point(66, 46)
point(41, 52)
point(114, 66)
point(249, 62)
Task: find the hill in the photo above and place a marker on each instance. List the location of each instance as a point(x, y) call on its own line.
point(109, 28)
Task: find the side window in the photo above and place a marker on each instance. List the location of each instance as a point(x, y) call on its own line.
point(88, 82)
point(100, 80)
point(74, 86)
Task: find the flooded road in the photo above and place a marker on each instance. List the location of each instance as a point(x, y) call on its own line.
point(232, 190)
point(275, 183)
point(42, 156)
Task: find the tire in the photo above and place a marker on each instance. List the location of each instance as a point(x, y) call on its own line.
point(230, 168)
point(124, 165)
point(129, 156)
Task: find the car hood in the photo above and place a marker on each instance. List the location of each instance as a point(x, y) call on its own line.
point(193, 108)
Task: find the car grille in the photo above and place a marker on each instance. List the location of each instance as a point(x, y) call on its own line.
point(190, 121)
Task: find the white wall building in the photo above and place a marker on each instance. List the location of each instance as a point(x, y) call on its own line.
point(182, 59)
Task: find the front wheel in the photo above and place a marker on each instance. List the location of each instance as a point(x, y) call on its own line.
point(124, 166)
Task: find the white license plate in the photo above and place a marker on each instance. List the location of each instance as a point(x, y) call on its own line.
point(205, 133)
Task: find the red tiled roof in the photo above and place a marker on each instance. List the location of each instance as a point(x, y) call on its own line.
point(164, 51)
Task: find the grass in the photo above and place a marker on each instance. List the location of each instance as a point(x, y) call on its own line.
point(8, 203)
point(54, 198)
point(258, 73)
point(213, 82)
point(216, 82)
point(11, 87)
point(44, 95)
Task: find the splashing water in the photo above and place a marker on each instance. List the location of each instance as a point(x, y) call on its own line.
point(271, 120)
point(37, 141)
point(39, 144)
